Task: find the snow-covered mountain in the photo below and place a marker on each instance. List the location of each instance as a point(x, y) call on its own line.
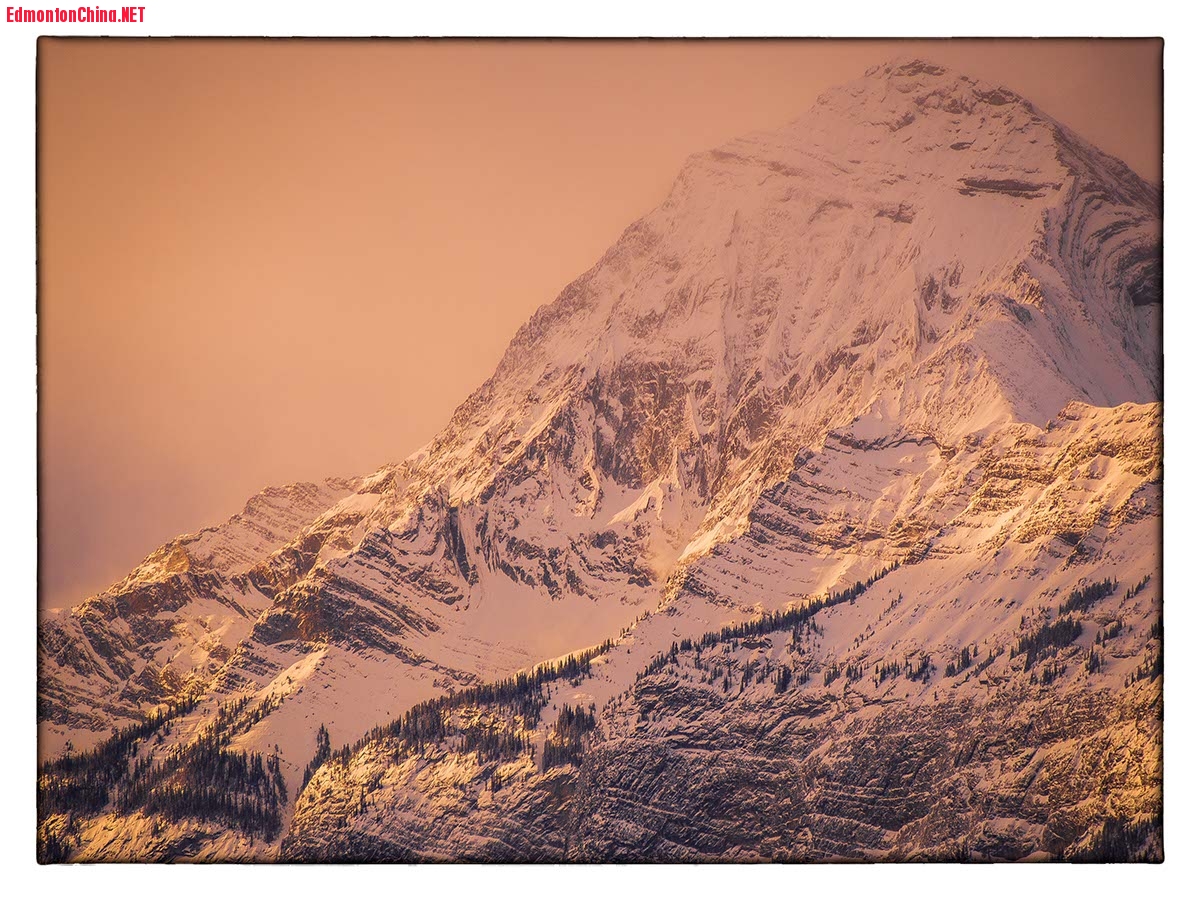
point(915, 333)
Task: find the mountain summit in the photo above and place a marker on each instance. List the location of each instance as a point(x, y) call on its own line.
point(918, 328)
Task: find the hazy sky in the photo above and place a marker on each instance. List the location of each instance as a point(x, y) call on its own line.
point(270, 261)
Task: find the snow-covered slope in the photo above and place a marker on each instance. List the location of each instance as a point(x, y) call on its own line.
point(920, 325)
point(700, 750)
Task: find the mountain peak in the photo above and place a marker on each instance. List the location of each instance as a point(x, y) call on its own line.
point(906, 66)
point(920, 87)
point(920, 118)
point(915, 71)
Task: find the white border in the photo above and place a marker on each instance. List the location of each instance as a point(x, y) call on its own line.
point(865, 18)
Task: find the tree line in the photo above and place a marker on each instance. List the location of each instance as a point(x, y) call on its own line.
point(203, 779)
point(430, 723)
point(787, 620)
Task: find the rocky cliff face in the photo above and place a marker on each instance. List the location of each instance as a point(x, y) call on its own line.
point(917, 332)
point(166, 630)
point(992, 696)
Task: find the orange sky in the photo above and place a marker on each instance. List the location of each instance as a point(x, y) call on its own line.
point(267, 261)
